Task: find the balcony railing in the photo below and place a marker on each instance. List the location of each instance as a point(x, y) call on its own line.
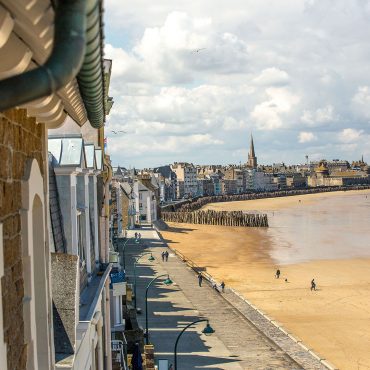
point(119, 355)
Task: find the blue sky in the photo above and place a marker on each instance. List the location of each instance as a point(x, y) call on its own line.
point(293, 72)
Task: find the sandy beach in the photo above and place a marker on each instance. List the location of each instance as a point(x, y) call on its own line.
point(334, 321)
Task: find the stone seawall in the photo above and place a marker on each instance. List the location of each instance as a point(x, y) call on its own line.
point(222, 218)
point(194, 205)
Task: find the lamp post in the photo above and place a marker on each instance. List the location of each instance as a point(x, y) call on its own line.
point(208, 330)
point(168, 281)
point(151, 258)
point(123, 253)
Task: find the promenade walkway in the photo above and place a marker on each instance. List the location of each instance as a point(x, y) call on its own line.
point(236, 344)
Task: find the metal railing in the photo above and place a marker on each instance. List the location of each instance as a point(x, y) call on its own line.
point(194, 266)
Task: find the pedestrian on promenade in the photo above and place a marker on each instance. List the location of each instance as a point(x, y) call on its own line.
point(313, 284)
point(277, 275)
point(200, 279)
point(163, 256)
point(139, 235)
point(215, 288)
point(171, 367)
point(223, 287)
point(135, 235)
point(166, 255)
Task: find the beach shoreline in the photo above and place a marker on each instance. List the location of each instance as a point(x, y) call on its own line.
point(333, 321)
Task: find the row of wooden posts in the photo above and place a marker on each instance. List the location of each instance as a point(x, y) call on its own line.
point(222, 218)
point(194, 205)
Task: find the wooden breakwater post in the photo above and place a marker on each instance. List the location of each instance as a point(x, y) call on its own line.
point(221, 218)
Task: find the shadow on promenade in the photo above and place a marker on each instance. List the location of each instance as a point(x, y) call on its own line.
point(168, 312)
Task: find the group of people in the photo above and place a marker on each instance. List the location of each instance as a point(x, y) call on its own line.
point(313, 283)
point(137, 236)
point(214, 286)
point(165, 256)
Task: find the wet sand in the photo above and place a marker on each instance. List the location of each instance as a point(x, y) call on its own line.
point(333, 321)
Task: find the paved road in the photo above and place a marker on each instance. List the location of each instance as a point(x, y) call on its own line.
point(236, 344)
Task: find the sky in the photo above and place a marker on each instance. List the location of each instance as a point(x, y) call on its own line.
point(191, 80)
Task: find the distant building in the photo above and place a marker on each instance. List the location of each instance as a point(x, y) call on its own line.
point(334, 165)
point(228, 186)
point(187, 185)
point(146, 199)
point(296, 180)
point(323, 177)
point(167, 180)
point(205, 186)
point(260, 181)
point(233, 173)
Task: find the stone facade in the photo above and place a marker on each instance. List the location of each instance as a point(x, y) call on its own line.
point(21, 139)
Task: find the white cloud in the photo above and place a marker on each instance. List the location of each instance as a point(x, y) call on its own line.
point(306, 137)
point(319, 116)
point(268, 114)
point(361, 101)
point(272, 77)
point(349, 135)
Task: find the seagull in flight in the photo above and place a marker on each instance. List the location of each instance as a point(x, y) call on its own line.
point(117, 132)
point(198, 50)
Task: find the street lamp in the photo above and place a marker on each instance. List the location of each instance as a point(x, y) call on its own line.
point(123, 253)
point(168, 281)
point(208, 330)
point(151, 258)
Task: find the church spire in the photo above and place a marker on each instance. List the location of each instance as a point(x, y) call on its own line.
point(252, 159)
point(251, 148)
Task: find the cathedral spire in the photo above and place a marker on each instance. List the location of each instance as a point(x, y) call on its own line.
point(252, 159)
point(251, 148)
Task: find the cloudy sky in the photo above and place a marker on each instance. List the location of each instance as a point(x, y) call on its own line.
point(192, 79)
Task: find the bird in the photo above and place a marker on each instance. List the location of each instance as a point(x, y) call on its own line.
point(198, 50)
point(117, 132)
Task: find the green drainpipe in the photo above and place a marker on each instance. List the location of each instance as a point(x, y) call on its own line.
point(61, 67)
point(91, 76)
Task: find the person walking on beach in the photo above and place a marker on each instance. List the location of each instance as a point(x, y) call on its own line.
point(163, 256)
point(200, 279)
point(313, 284)
point(277, 275)
point(166, 255)
point(223, 287)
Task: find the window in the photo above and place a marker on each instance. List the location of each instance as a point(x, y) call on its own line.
point(140, 205)
point(35, 251)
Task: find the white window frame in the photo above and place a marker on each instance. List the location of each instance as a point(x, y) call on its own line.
point(80, 238)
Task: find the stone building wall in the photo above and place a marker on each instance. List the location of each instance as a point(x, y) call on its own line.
point(20, 139)
point(125, 202)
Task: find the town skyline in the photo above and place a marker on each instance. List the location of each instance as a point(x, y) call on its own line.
point(314, 158)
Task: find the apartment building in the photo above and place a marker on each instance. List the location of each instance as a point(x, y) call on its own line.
point(186, 174)
point(259, 181)
point(54, 198)
point(233, 173)
point(167, 181)
point(146, 196)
